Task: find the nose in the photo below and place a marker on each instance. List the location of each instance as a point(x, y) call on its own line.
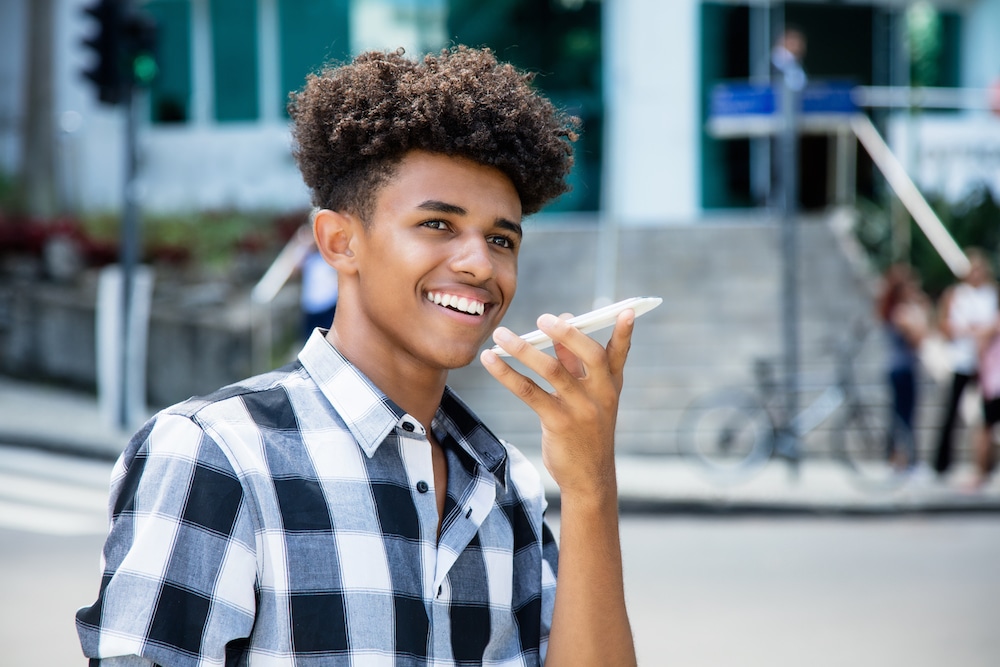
point(472, 256)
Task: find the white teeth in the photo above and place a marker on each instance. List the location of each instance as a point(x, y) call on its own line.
point(462, 304)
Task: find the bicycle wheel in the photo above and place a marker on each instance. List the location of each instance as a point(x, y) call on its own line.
point(728, 432)
point(880, 453)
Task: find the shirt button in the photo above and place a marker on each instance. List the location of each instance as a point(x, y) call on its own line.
point(422, 486)
point(408, 427)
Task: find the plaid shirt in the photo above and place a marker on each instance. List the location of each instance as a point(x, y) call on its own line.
point(291, 520)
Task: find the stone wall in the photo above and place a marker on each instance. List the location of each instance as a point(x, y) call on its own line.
point(200, 336)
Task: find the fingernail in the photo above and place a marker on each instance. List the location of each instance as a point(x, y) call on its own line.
point(547, 320)
point(488, 357)
point(502, 334)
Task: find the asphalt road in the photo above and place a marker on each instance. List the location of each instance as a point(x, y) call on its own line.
point(702, 590)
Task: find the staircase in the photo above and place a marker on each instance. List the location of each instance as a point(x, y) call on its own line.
point(721, 286)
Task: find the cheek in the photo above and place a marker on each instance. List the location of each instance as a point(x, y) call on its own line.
point(507, 279)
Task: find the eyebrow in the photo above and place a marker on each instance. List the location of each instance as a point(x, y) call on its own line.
point(444, 207)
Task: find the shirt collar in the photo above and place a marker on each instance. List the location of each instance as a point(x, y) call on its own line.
point(371, 416)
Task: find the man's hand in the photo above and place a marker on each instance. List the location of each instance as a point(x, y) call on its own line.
point(578, 417)
point(590, 624)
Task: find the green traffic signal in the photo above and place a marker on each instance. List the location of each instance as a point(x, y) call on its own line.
point(123, 48)
point(144, 69)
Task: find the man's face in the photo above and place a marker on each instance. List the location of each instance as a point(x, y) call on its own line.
point(437, 262)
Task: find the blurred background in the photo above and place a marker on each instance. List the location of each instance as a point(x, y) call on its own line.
point(170, 173)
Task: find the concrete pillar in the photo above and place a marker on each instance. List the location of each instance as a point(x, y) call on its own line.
point(652, 156)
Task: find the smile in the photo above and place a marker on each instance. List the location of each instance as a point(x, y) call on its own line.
point(459, 303)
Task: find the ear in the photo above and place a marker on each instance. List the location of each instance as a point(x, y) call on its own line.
point(335, 234)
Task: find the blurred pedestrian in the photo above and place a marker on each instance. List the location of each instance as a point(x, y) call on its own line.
point(966, 311)
point(984, 441)
point(787, 57)
point(905, 313)
point(994, 96)
point(319, 293)
point(788, 78)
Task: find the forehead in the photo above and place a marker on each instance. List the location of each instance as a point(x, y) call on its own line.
point(422, 176)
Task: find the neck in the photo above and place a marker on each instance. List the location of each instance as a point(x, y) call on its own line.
point(414, 388)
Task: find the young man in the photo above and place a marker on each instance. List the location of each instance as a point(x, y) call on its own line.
point(349, 509)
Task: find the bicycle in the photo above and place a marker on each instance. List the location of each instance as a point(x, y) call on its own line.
point(733, 432)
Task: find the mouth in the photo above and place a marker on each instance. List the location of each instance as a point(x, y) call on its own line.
point(459, 304)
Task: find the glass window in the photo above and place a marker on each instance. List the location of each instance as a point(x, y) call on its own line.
point(170, 93)
point(312, 34)
point(561, 41)
point(234, 59)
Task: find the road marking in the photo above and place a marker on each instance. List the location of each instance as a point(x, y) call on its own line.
point(33, 519)
point(53, 494)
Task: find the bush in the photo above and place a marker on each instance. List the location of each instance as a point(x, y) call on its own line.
point(973, 221)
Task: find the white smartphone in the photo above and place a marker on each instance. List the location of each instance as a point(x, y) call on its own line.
point(592, 321)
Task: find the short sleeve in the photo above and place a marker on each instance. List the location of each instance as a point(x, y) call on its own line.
point(179, 561)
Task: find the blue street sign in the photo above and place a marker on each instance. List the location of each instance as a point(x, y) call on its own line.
point(758, 99)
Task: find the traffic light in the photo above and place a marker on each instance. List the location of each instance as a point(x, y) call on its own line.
point(107, 49)
point(123, 49)
point(141, 33)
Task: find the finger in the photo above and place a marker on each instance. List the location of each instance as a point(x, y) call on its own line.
point(568, 359)
point(590, 355)
point(523, 387)
point(620, 343)
point(549, 368)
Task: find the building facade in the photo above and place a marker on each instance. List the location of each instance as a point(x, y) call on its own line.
point(214, 131)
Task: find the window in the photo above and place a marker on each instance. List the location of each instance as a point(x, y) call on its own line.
point(234, 59)
point(311, 35)
point(170, 96)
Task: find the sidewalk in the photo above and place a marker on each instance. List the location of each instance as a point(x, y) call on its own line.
point(48, 417)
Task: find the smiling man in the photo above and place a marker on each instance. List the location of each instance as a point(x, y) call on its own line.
point(349, 509)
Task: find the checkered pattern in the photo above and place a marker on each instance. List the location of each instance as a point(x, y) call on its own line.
point(291, 520)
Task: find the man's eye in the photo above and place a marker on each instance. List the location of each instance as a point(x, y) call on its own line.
point(502, 241)
point(436, 224)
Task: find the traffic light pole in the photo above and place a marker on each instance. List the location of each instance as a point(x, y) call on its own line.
point(123, 48)
point(791, 90)
point(129, 259)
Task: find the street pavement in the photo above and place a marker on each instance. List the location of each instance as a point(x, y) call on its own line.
point(63, 420)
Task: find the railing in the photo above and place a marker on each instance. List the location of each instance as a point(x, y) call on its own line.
point(267, 288)
point(910, 196)
point(896, 97)
point(749, 110)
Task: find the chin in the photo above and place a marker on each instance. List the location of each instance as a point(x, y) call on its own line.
point(458, 357)
point(456, 361)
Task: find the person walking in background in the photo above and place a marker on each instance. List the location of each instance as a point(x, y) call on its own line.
point(788, 76)
point(787, 56)
point(983, 444)
point(904, 310)
point(319, 293)
point(966, 310)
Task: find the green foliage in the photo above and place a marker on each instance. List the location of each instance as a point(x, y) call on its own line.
point(973, 221)
point(210, 240)
point(923, 28)
point(10, 196)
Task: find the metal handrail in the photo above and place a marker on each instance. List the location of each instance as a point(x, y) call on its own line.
point(283, 267)
point(908, 193)
point(267, 288)
point(905, 97)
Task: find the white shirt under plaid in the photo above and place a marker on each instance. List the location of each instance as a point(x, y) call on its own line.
point(291, 520)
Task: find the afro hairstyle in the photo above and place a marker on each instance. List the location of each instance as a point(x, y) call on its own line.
point(353, 123)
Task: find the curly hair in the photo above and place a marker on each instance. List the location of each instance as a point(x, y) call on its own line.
point(353, 123)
